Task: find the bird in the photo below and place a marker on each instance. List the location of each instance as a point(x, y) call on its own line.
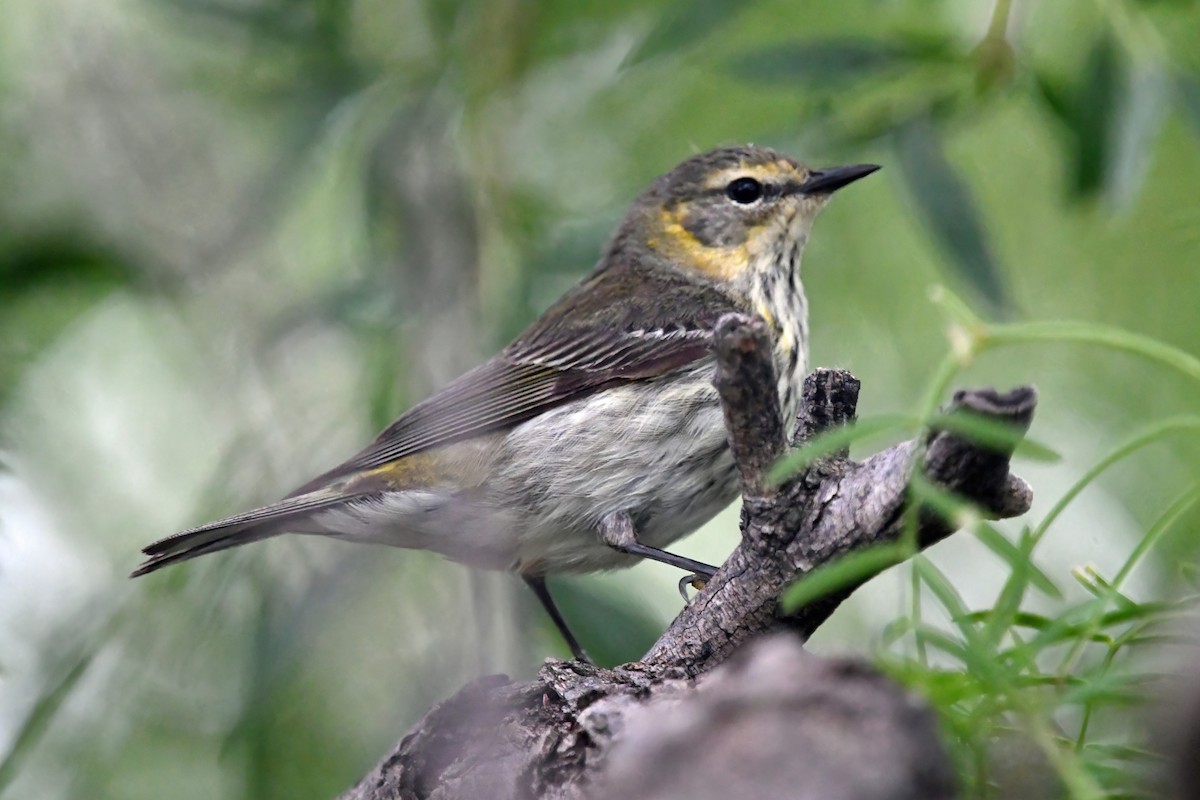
point(596, 438)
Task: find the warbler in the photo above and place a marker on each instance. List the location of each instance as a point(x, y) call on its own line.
point(596, 438)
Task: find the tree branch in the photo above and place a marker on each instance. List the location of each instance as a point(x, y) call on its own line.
point(558, 735)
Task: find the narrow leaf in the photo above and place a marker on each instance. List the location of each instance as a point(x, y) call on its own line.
point(27, 733)
point(1134, 443)
point(1091, 119)
point(948, 209)
point(684, 22)
point(994, 434)
point(1187, 93)
point(940, 640)
point(1177, 509)
point(1011, 554)
point(849, 570)
point(836, 439)
point(1136, 125)
point(1098, 334)
point(953, 509)
point(945, 593)
point(1009, 602)
point(819, 62)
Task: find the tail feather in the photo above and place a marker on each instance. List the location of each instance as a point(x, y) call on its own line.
point(187, 550)
point(252, 526)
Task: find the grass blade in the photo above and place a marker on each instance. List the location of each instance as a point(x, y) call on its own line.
point(949, 210)
point(1177, 509)
point(1098, 334)
point(1146, 436)
point(848, 570)
point(1017, 556)
point(993, 434)
point(838, 438)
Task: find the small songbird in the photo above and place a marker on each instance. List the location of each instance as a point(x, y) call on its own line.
point(596, 438)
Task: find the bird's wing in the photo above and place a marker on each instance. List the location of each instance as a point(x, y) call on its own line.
point(613, 329)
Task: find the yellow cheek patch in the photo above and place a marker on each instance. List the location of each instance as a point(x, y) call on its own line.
point(679, 244)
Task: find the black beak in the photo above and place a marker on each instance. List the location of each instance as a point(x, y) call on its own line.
point(827, 181)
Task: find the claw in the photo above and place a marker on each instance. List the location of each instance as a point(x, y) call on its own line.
point(696, 581)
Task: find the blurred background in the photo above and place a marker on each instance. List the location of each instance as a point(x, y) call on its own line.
point(237, 237)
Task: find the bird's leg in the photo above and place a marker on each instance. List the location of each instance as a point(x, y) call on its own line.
point(616, 530)
point(538, 585)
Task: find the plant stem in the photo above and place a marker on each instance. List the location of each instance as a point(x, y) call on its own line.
point(998, 27)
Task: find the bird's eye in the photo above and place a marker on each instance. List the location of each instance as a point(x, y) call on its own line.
point(744, 191)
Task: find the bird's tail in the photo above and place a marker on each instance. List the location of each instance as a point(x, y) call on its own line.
point(252, 526)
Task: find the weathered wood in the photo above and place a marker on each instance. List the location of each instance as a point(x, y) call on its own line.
point(684, 723)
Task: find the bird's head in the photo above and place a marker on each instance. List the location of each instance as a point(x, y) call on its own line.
point(734, 210)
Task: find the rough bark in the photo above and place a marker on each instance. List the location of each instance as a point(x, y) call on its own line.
point(689, 721)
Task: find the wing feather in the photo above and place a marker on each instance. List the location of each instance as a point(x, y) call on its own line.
point(613, 329)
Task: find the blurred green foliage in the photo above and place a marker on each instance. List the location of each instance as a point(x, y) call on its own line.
point(239, 236)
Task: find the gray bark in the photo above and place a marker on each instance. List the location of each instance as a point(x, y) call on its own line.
point(692, 719)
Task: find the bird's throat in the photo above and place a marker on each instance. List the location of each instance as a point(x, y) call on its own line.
point(775, 292)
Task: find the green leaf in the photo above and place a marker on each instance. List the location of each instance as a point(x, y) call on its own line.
point(1017, 557)
point(952, 508)
point(940, 640)
point(1187, 94)
point(1122, 752)
point(831, 441)
point(1091, 117)
point(977, 655)
point(47, 281)
point(1095, 333)
point(1057, 630)
point(943, 688)
point(1136, 124)
point(50, 258)
point(849, 570)
point(262, 20)
point(613, 627)
point(994, 434)
point(1051, 681)
point(1064, 627)
point(1109, 689)
point(1009, 602)
point(1177, 509)
point(1190, 574)
point(948, 209)
point(825, 64)
point(27, 733)
point(1111, 115)
point(1149, 435)
point(945, 593)
point(820, 62)
point(1153, 611)
point(684, 22)
point(1157, 641)
point(896, 630)
point(1145, 613)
